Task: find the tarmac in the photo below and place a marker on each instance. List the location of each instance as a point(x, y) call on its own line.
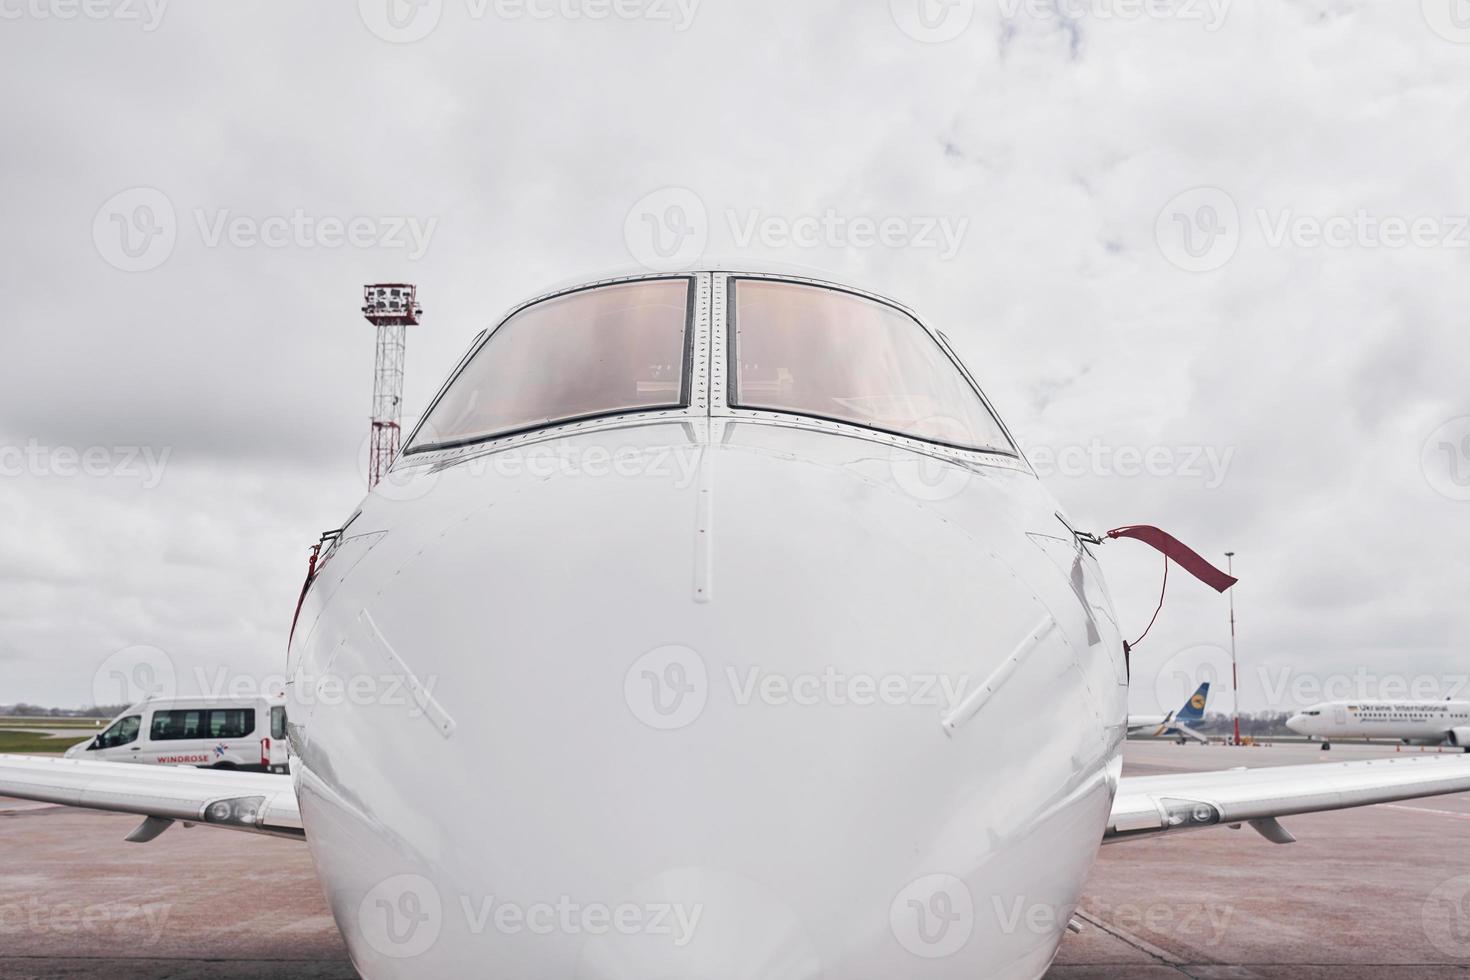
point(1378, 892)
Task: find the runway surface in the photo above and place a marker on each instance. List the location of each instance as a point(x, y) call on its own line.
point(1374, 893)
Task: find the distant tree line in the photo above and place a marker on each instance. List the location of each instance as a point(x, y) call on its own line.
point(23, 710)
point(1259, 724)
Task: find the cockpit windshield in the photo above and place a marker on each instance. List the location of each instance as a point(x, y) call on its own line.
point(812, 350)
point(599, 351)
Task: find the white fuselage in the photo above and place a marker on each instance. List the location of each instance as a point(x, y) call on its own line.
point(1426, 722)
point(756, 704)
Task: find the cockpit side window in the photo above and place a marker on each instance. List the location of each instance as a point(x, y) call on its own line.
point(817, 351)
point(593, 352)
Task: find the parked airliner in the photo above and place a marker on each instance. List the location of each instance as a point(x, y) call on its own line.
point(1176, 724)
point(1411, 722)
point(736, 638)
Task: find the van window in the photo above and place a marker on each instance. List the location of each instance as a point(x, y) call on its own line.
point(124, 731)
point(171, 725)
point(230, 722)
point(278, 722)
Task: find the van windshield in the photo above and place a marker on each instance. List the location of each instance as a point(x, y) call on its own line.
point(124, 731)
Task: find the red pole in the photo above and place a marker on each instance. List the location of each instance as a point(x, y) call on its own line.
point(1234, 668)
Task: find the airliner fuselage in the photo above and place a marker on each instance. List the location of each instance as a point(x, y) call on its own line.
point(1414, 722)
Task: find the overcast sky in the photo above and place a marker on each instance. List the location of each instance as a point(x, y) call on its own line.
point(1209, 260)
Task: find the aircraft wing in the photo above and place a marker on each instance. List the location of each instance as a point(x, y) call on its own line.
point(258, 803)
point(1152, 806)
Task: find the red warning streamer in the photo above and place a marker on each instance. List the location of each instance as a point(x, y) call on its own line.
point(1178, 552)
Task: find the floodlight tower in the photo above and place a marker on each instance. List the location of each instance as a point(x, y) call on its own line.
point(391, 307)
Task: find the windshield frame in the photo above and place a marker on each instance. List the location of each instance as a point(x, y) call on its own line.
point(732, 363)
point(685, 388)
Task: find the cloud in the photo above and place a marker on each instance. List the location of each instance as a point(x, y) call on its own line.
point(1058, 133)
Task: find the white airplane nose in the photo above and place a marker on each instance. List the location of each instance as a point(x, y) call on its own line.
point(764, 716)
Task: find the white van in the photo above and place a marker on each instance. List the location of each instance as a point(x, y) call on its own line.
point(210, 732)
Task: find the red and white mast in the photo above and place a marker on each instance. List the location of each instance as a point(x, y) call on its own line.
point(391, 307)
